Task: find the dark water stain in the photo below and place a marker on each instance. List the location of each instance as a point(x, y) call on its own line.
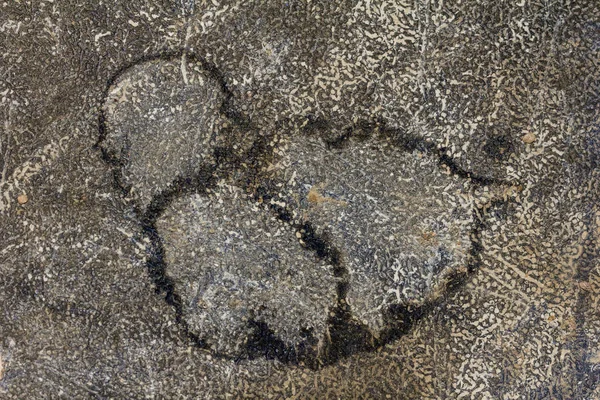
point(347, 335)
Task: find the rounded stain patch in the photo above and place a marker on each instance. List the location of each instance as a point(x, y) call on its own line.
point(295, 246)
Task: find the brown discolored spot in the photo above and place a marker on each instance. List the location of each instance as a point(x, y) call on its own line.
point(528, 138)
point(317, 198)
point(585, 285)
point(427, 236)
point(22, 199)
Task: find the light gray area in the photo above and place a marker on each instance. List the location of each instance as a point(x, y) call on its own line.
point(401, 221)
point(233, 262)
point(162, 119)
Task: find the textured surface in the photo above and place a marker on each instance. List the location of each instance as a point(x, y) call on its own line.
point(505, 90)
point(400, 221)
point(234, 262)
point(160, 122)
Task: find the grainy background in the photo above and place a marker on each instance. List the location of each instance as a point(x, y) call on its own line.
point(509, 88)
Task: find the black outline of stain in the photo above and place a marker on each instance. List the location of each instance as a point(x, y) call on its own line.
point(348, 335)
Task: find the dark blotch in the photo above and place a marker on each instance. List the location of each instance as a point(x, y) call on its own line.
point(499, 147)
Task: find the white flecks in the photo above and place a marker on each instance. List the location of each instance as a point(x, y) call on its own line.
point(100, 36)
point(43, 157)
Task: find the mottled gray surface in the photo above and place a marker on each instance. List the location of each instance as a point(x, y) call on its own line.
point(161, 122)
point(401, 221)
point(233, 261)
point(506, 89)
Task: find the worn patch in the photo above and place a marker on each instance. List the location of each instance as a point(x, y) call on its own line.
point(400, 221)
point(294, 246)
point(163, 118)
point(235, 264)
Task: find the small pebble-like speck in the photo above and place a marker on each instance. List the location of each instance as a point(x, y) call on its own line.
point(528, 138)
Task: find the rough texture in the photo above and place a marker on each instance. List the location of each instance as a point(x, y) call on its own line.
point(234, 262)
point(400, 221)
point(161, 120)
point(80, 317)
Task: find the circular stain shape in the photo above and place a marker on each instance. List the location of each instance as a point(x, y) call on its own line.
point(329, 247)
point(235, 264)
point(401, 222)
point(161, 121)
